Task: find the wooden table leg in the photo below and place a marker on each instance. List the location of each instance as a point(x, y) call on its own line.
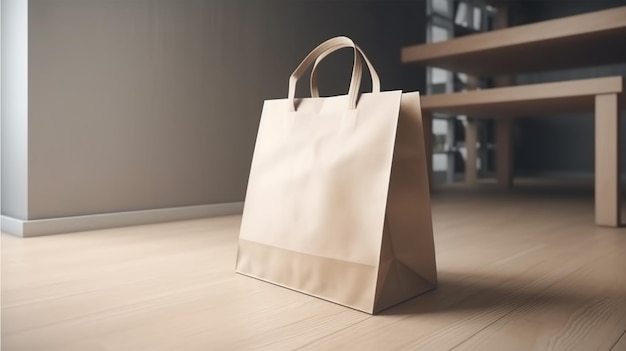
point(607, 170)
point(471, 139)
point(504, 153)
point(427, 123)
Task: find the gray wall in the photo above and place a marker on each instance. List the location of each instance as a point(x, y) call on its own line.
point(142, 104)
point(559, 144)
point(14, 108)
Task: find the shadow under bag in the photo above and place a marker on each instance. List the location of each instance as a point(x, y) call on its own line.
point(338, 202)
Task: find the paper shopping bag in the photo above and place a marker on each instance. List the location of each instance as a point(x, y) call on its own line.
point(338, 203)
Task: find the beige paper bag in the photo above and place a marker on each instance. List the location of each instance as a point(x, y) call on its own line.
point(338, 201)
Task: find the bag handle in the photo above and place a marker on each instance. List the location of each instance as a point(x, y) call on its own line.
point(313, 82)
point(314, 56)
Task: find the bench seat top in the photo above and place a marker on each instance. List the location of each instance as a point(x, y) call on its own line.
point(590, 39)
point(574, 96)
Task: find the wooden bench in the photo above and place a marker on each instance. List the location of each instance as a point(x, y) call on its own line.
point(603, 96)
point(583, 40)
point(589, 39)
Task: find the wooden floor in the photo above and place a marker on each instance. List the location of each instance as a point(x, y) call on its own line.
point(518, 271)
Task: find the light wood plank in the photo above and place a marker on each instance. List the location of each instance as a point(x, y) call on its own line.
point(463, 291)
point(504, 153)
point(501, 19)
point(471, 139)
point(567, 96)
point(164, 280)
point(465, 303)
point(583, 40)
point(607, 156)
point(427, 122)
point(502, 256)
point(504, 133)
point(575, 313)
point(471, 142)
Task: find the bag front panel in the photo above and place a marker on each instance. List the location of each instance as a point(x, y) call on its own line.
point(319, 177)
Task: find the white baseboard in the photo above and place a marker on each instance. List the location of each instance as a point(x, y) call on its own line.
point(11, 225)
point(37, 227)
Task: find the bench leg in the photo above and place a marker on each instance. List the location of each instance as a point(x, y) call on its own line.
point(607, 170)
point(504, 153)
point(427, 124)
point(471, 139)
